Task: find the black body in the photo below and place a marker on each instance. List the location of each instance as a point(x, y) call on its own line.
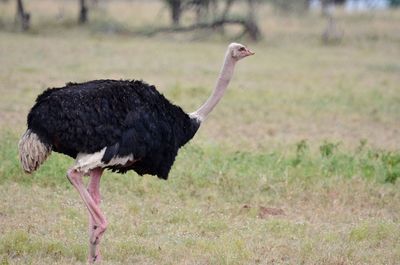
point(127, 117)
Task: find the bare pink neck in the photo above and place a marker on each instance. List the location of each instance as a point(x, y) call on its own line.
point(222, 83)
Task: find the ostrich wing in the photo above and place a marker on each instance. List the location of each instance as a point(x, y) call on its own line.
point(127, 117)
point(86, 117)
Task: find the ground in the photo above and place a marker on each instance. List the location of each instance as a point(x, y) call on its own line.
point(296, 165)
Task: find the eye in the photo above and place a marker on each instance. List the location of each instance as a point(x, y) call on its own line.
point(241, 49)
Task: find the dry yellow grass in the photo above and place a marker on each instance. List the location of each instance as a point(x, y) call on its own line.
point(295, 88)
point(337, 208)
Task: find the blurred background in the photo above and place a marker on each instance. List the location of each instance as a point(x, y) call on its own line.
point(324, 69)
point(298, 164)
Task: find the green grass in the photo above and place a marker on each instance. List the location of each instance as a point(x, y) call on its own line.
point(307, 130)
point(209, 210)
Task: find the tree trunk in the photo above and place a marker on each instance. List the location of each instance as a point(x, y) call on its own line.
point(252, 26)
point(83, 13)
point(326, 6)
point(332, 34)
point(22, 16)
point(176, 11)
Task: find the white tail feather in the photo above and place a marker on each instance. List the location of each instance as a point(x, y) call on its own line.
point(32, 151)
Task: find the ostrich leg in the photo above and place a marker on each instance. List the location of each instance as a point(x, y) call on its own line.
point(96, 216)
point(94, 191)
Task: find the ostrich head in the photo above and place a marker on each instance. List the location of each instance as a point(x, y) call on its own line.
point(239, 51)
point(234, 53)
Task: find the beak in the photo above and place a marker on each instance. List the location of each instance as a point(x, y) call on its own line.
point(248, 52)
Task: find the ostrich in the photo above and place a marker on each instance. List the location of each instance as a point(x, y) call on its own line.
point(116, 125)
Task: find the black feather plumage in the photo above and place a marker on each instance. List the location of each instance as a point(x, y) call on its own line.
point(127, 117)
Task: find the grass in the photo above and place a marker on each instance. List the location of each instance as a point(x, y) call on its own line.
point(337, 207)
point(297, 165)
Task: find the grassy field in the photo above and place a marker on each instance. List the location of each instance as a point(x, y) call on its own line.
point(297, 165)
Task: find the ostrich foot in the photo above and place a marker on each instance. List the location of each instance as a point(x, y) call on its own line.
point(97, 233)
point(95, 237)
point(94, 255)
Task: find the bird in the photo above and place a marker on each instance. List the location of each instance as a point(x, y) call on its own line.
point(119, 125)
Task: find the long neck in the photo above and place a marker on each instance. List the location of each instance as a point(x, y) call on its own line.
point(222, 83)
